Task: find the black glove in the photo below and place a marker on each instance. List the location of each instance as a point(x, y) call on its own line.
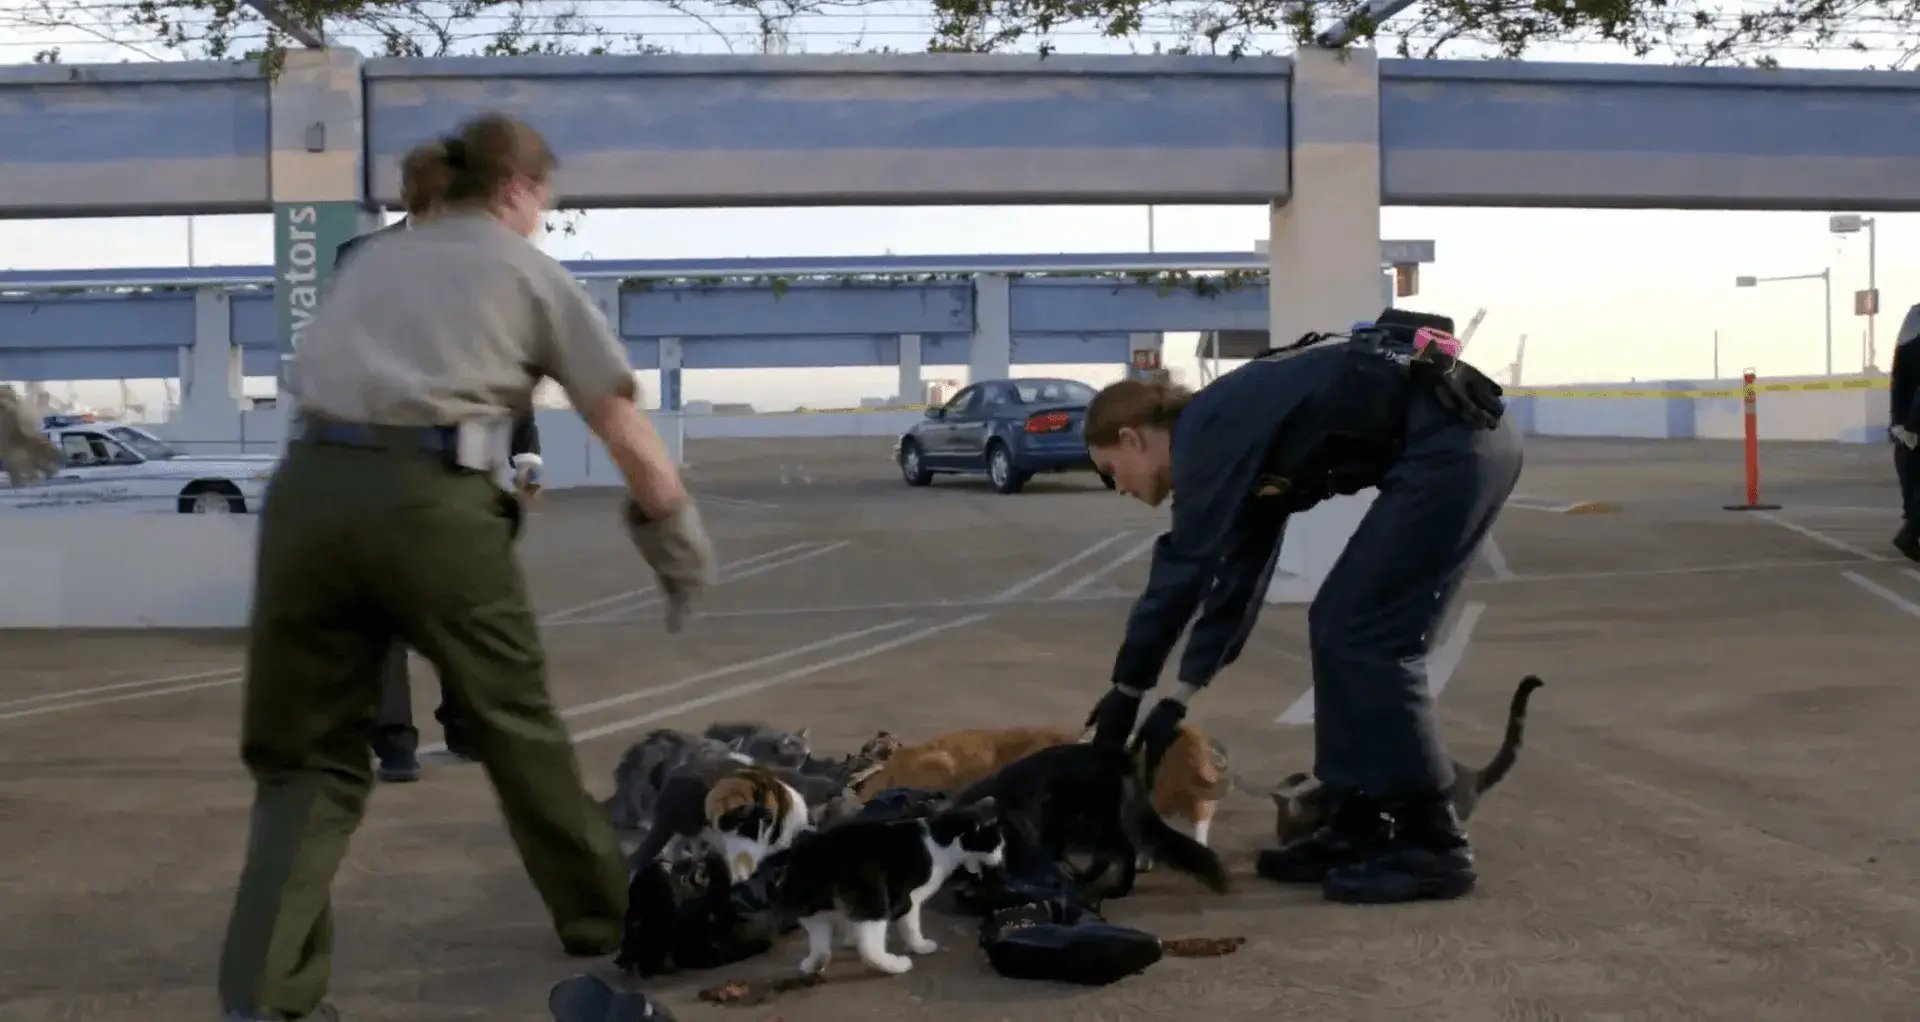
point(1112, 718)
point(1462, 389)
point(1157, 734)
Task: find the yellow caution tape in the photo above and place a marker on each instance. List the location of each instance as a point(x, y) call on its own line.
point(1845, 383)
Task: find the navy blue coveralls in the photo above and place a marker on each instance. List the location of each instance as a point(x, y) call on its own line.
point(1372, 620)
point(1904, 410)
point(395, 738)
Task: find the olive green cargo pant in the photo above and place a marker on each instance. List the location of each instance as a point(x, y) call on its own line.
point(358, 546)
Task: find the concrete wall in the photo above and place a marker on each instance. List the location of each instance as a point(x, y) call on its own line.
point(573, 456)
point(81, 568)
point(1844, 409)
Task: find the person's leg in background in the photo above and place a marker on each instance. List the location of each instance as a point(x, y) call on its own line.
point(1907, 540)
point(396, 742)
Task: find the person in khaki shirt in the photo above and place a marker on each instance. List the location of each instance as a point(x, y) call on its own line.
point(382, 524)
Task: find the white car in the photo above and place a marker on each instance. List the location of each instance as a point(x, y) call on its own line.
point(110, 463)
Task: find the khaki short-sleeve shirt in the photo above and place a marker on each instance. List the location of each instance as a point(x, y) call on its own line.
point(454, 319)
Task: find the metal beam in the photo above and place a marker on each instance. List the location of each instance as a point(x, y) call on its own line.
point(1507, 133)
point(657, 269)
point(311, 37)
point(873, 129)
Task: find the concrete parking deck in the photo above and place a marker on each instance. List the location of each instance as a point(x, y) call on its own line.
point(1714, 816)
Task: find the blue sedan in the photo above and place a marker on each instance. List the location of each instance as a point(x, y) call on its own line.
point(1007, 429)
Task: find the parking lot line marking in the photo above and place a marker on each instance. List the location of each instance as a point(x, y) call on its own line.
point(1692, 569)
point(121, 698)
point(785, 677)
point(1496, 561)
point(1082, 583)
point(1912, 574)
point(705, 676)
point(1814, 534)
point(48, 697)
point(630, 613)
point(906, 605)
point(1020, 587)
point(617, 597)
point(1883, 592)
point(1441, 665)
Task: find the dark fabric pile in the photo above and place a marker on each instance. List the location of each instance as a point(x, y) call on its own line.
point(1035, 921)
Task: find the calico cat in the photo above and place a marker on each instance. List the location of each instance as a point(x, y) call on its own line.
point(1301, 803)
point(866, 873)
point(742, 812)
point(1082, 796)
point(1186, 789)
point(643, 771)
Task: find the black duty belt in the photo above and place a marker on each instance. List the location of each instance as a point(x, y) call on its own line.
point(368, 436)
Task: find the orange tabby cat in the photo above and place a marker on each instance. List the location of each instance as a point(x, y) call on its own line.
point(1186, 791)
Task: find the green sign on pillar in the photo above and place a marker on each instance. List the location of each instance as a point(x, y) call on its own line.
point(305, 237)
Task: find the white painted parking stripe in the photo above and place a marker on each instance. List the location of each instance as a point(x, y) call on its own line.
point(1020, 587)
point(783, 678)
point(1441, 665)
point(629, 594)
point(1813, 534)
point(121, 698)
point(48, 697)
point(1106, 569)
point(1883, 592)
point(632, 612)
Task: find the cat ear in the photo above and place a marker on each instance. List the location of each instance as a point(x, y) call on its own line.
point(802, 733)
point(984, 807)
point(1279, 801)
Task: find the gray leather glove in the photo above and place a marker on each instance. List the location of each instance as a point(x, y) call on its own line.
point(677, 549)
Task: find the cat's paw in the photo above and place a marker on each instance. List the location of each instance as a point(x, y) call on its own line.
point(923, 946)
point(891, 964)
point(815, 964)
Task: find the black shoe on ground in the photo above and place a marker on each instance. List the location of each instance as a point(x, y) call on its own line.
point(1355, 827)
point(399, 768)
point(1907, 541)
point(1427, 857)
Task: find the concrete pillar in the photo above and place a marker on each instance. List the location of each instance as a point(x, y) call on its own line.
point(209, 394)
point(910, 391)
point(1325, 261)
point(990, 355)
point(317, 145)
point(672, 401)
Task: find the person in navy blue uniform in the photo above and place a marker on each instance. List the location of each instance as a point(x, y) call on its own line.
point(396, 741)
point(1904, 428)
point(1388, 406)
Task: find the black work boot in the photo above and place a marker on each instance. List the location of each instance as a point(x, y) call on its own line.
point(1907, 541)
point(1427, 857)
point(398, 766)
point(1355, 828)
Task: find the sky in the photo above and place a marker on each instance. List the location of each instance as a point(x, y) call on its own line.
point(1599, 295)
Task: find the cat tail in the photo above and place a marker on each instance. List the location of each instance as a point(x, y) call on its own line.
point(1509, 750)
point(1165, 843)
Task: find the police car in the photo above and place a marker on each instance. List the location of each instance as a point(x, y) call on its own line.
point(116, 463)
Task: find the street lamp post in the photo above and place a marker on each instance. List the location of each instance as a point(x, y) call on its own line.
point(1851, 223)
point(1825, 277)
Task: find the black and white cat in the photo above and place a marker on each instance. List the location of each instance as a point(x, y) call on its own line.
point(861, 875)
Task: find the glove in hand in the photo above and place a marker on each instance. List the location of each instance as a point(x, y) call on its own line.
point(1112, 718)
point(677, 549)
point(1157, 734)
point(1906, 437)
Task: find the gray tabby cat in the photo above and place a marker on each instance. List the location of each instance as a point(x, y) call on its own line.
point(659, 754)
